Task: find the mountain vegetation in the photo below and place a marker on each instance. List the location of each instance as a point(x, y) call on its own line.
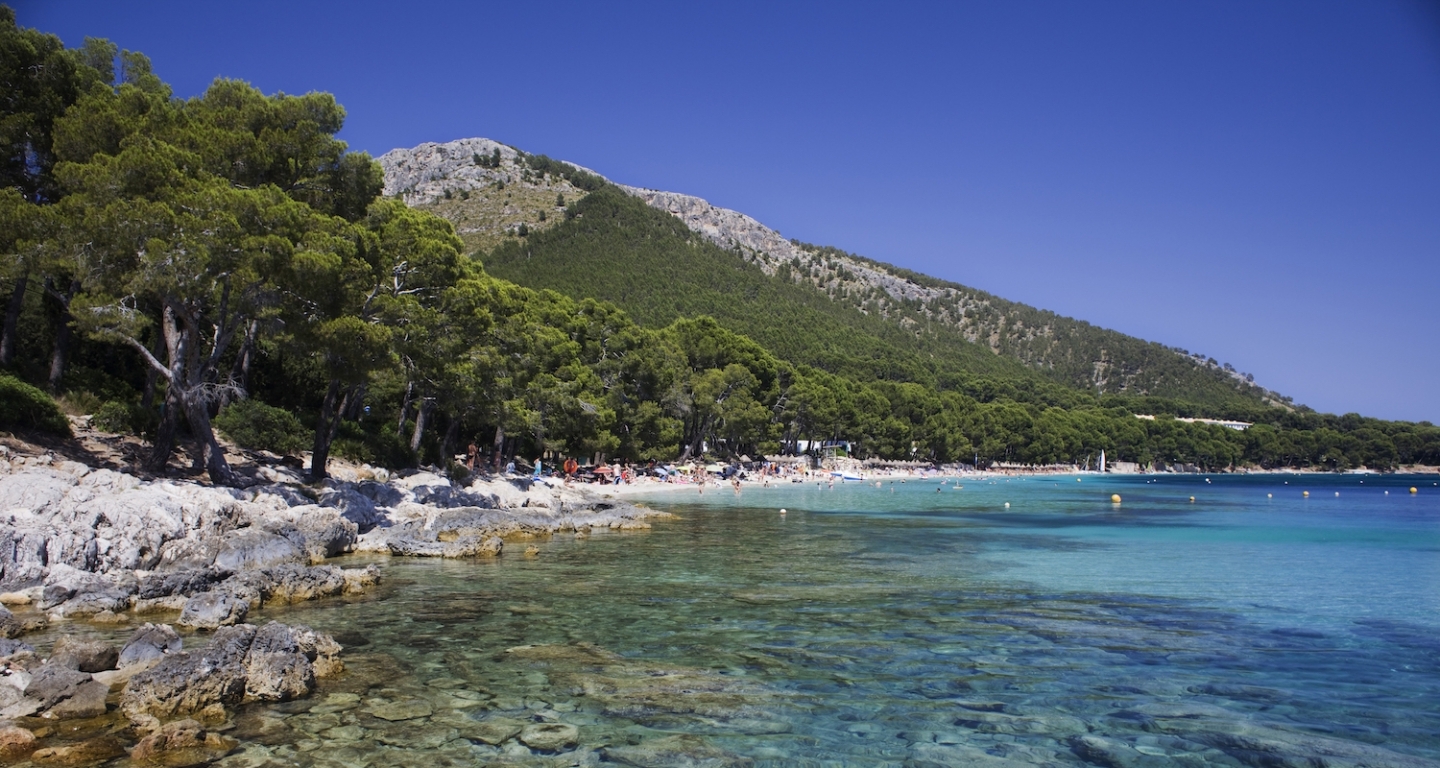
point(184, 268)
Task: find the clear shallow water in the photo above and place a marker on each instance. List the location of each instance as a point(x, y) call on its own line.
point(871, 627)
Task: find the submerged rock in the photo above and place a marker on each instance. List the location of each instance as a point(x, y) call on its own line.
point(16, 743)
point(679, 750)
point(550, 737)
point(181, 744)
point(89, 752)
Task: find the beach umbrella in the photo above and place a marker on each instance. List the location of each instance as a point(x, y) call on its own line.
point(603, 470)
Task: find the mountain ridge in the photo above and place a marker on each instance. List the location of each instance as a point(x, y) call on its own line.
point(491, 202)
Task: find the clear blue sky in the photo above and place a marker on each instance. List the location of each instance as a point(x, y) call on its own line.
point(1257, 181)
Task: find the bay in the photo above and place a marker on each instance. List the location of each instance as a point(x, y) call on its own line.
point(914, 623)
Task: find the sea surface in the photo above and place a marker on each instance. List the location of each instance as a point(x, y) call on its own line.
point(917, 623)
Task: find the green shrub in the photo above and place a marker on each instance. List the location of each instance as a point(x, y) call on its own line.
point(79, 402)
point(253, 424)
point(125, 419)
point(25, 407)
point(383, 448)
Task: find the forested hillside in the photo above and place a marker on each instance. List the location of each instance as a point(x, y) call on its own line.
point(495, 194)
point(223, 265)
point(614, 248)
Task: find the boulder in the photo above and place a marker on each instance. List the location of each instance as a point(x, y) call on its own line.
point(10, 647)
point(10, 627)
point(276, 669)
point(15, 743)
point(189, 682)
point(51, 684)
point(272, 663)
point(252, 549)
point(210, 610)
point(88, 700)
point(150, 643)
point(181, 744)
point(84, 655)
point(320, 648)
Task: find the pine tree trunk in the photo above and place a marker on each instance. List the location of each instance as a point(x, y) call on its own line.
point(499, 445)
point(241, 372)
point(422, 415)
point(213, 456)
point(447, 444)
point(64, 333)
point(12, 321)
point(325, 430)
point(404, 408)
point(164, 442)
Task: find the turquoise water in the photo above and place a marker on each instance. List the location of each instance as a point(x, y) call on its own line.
point(871, 626)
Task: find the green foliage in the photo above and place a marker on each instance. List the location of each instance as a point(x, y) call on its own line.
point(615, 248)
point(582, 179)
point(25, 407)
point(253, 424)
point(383, 447)
point(229, 243)
point(124, 418)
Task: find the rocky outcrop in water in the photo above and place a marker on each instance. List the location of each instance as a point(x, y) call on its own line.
point(77, 542)
point(241, 663)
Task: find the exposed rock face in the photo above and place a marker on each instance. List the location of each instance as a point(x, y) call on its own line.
point(78, 543)
point(241, 663)
point(83, 544)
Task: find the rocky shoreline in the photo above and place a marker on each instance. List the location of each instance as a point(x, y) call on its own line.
point(80, 545)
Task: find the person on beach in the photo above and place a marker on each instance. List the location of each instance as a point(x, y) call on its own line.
point(471, 454)
point(537, 468)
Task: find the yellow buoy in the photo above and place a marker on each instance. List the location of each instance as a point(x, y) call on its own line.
point(1413, 489)
point(1192, 499)
point(1306, 494)
point(1115, 498)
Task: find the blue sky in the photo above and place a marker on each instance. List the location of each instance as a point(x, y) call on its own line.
point(1257, 181)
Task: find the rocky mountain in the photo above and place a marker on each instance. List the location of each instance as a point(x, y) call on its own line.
point(495, 193)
